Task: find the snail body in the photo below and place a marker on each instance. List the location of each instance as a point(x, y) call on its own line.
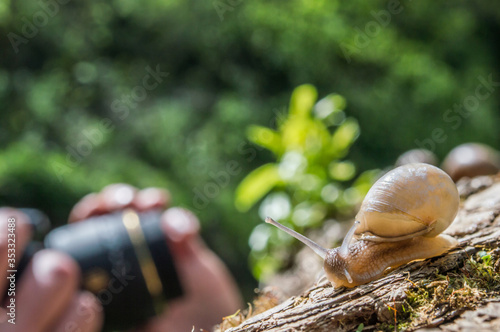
point(400, 220)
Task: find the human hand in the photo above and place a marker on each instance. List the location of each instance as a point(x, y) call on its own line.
point(47, 297)
point(210, 292)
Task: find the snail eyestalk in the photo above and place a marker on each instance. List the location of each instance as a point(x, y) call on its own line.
point(348, 276)
point(344, 248)
point(311, 244)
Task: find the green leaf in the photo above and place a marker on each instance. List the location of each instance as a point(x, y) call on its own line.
point(294, 133)
point(344, 136)
point(332, 103)
point(365, 180)
point(265, 267)
point(339, 102)
point(265, 137)
point(255, 185)
point(342, 171)
point(303, 99)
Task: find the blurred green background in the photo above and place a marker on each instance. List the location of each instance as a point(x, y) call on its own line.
point(78, 111)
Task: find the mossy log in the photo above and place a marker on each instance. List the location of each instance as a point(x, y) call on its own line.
point(459, 290)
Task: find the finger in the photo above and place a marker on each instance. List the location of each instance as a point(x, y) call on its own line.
point(179, 224)
point(116, 197)
point(181, 228)
point(151, 198)
point(86, 207)
point(84, 314)
point(12, 246)
point(45, 290)
point(205, 279)
point(112, 198)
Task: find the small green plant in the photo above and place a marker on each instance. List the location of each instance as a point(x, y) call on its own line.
point(307, 183)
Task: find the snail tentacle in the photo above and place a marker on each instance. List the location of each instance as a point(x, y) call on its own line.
point(344, 248)
point(311, 244)
point(348, 276)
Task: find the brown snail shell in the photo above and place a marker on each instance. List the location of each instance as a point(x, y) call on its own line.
point(413, 199)
point(470, 160)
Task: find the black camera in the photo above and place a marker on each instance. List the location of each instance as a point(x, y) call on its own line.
point(125, 261)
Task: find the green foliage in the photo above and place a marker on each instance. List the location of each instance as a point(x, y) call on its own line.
point(256, 185)
point(307, 181)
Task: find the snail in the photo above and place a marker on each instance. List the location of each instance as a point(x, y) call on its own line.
point(470, 160)
point(400, 220)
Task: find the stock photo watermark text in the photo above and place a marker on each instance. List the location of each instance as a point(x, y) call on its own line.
point(120, 109)
point(454, 116)
point(32, 25)
point(11, 270)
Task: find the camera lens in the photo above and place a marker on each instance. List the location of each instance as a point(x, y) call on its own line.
point(125, 261)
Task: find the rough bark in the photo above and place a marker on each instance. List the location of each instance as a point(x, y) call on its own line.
point(322, 308)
